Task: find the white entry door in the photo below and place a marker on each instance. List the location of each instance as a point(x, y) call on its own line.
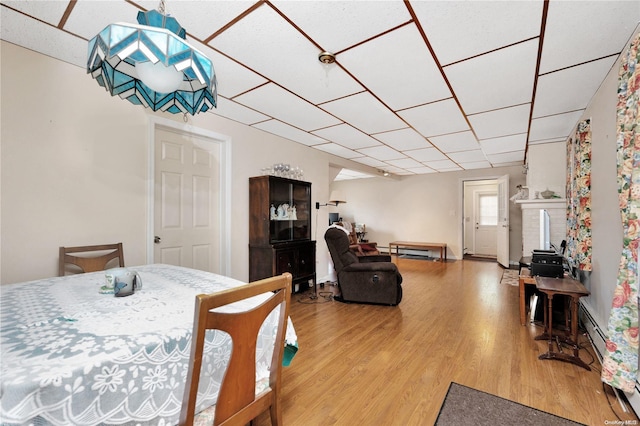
point(503, 221)
point(187, 200)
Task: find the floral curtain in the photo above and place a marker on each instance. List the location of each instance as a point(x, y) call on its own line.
point(579, 197)
point(620, 364)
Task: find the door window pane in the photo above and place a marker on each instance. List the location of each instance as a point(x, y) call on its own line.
point(488, 209)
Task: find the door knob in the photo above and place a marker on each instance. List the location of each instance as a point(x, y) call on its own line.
point(157, 240)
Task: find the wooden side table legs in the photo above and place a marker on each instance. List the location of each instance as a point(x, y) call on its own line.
point(558, 339)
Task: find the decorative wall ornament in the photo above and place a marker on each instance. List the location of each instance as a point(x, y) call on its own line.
point(620, 364)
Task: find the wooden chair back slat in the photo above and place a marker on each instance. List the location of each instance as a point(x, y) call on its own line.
point(237, 402)
point(90, 263)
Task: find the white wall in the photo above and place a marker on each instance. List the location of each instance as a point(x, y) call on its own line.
point(68, 176)
point(605, 213)
point(547, 168)
point(422, 207)
point(74, 168)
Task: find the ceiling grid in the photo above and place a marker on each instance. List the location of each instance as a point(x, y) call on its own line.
point(417, 87)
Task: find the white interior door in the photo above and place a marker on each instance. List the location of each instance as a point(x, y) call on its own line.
point(486, 221)
point(187, 200)
point(503, 221)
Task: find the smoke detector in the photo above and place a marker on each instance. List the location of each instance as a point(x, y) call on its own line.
point(327, 57)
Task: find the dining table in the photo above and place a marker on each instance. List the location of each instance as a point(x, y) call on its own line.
point(73, 353)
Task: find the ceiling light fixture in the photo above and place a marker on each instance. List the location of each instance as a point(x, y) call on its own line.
point(152, 64)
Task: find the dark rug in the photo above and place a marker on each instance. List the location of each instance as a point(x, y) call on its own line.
point(467, 406)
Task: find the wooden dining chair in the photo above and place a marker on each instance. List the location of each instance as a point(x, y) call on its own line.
point(237, 402)
point(90, 263)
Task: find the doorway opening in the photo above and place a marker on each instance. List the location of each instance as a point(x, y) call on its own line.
point(485, 225)
point(480, 219)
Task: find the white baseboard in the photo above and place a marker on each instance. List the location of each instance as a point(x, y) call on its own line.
point(598, 336)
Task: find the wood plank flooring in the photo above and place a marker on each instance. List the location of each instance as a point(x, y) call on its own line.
point(379, 365)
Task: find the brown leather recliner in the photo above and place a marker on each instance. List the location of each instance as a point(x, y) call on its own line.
point(363, 279)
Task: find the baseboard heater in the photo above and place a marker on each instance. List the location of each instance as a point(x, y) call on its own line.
point(598, 337)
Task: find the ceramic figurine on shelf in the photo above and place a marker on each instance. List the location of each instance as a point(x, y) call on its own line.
point(283, 211)
point(293, 214)
point(273, 212)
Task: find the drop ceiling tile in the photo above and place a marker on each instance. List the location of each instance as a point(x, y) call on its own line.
point(347, 136)
point(507, 157)
point(504, 144)
point(443, 165)
point(566, 42)
point(365, 113)
point(426, 154)
point(571, 88)
point(338, 25)
point(28, 33)
point(554, 126)
point(468, 156)
point(285, 106)
point(496, 80)
point(422, 170)
point(256, 38)
point(501, 122)
point(47, 11)
point(346, 174)
point(370, 161)
point(200, 18)
point(405, 163)
point(382, 153)
point(88, 17)
point(398, 68)
point(459, 30)
point(233, 78)
point(436, 118)
point(338, 150)
point(281, 129)
point(403, 139)
point(237, 112)
point(475, 165)
point(455, 142)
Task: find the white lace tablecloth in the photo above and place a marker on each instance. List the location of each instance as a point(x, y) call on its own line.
point(70, 355)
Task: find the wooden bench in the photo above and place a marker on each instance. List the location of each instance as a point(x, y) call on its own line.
point(420, 246)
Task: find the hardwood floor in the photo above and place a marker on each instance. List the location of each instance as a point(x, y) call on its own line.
point(379, 365)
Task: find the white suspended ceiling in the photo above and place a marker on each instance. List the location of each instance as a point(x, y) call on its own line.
point(418, 86)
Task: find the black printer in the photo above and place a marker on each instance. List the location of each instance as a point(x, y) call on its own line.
point(546, 263)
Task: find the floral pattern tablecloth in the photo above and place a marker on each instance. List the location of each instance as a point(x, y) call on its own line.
point(71, 355)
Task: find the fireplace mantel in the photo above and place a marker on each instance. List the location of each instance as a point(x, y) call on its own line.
point(550, 203)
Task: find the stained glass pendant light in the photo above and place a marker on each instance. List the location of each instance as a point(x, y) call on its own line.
point(152, 64)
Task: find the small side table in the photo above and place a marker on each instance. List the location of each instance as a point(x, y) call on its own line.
point(525, 279)
point(575, 290)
